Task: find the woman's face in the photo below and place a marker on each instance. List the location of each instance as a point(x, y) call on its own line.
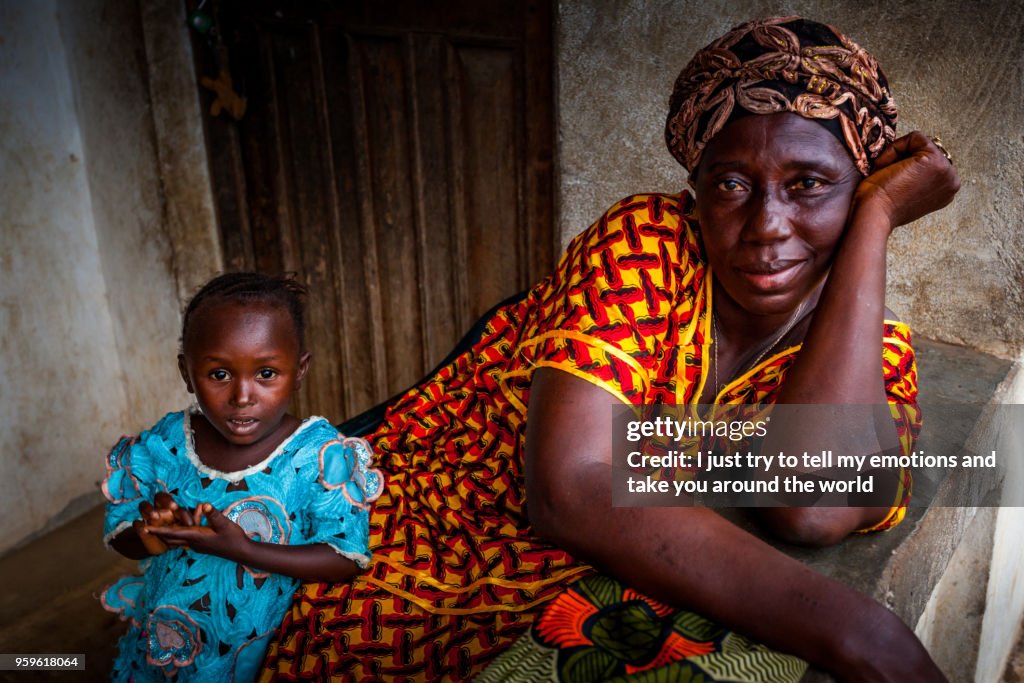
point(773, 196)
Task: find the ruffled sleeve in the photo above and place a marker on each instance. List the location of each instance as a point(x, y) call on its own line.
point(615, 301)
point(122, 489)
point(132, 474)
point(339, 512)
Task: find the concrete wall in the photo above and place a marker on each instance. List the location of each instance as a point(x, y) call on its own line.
point(955, 69)
point(88, 306)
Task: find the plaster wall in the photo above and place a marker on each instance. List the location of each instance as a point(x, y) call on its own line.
point(107, 65)
point(955, 69)
point(88, 305)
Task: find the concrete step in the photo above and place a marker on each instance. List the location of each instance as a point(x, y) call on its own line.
point(50, 602)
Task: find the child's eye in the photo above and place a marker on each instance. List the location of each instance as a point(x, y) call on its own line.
point(219, 375)
point(267, 373)
point(729, 185)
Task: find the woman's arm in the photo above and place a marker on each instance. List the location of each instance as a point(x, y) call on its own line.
point(692, 556)
point(224, 538)
point(912, 178)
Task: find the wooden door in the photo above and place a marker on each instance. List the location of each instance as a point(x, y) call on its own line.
point(397, 155)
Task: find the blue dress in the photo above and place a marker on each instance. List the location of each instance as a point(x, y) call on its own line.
point(204, 617)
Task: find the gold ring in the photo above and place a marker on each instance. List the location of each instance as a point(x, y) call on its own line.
point(937, 141)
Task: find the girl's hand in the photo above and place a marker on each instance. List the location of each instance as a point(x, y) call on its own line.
point(162, 512)
point(224, 538)
point(221, 537)
point(912, 178)
point(152, 544)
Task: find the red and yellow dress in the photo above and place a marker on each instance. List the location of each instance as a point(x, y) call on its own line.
point(457, 575)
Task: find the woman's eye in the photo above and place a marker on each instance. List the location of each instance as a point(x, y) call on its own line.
point(219, 375)
point(267, 373)
point(808, 184)
point(729, 185)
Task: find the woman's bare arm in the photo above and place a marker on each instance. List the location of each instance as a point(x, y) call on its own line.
point(912, 178)
point(692, 557)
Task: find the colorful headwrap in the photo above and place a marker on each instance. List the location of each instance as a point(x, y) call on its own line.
point(782, 64)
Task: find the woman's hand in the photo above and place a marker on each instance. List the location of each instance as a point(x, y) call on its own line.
point(912, 178)
point(879, 648)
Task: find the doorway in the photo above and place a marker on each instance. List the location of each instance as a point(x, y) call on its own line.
point(398, 157)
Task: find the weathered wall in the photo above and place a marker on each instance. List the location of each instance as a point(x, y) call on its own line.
point(956, 72)
point(190, 216)
point(88, 307)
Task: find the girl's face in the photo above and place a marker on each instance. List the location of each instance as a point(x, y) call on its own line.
point(243, 363)
point(773, 195)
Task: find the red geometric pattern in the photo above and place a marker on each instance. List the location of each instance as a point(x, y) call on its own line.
point(457, 575)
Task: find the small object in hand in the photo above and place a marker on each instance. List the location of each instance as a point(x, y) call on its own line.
point(937, 141)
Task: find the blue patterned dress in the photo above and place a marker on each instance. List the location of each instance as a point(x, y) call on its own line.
point(201, 617)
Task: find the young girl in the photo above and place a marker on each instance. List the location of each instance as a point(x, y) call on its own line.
point(232, 503)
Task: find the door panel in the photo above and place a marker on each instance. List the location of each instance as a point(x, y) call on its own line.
point(397, 156)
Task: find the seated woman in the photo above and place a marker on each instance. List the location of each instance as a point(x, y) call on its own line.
point(764, 286)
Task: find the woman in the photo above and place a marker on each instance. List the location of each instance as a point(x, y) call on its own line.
point(748, 292)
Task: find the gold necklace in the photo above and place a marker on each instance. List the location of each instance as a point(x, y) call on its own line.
point(785, 330)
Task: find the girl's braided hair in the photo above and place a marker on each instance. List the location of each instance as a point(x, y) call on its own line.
point(247, 288)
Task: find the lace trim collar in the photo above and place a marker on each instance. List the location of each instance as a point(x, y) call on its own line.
point(238, 475)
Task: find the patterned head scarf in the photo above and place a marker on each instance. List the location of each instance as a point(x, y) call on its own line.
point(782, 64)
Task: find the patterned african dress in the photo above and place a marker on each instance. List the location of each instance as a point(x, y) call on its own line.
point(199, 617)
point(458, 576)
